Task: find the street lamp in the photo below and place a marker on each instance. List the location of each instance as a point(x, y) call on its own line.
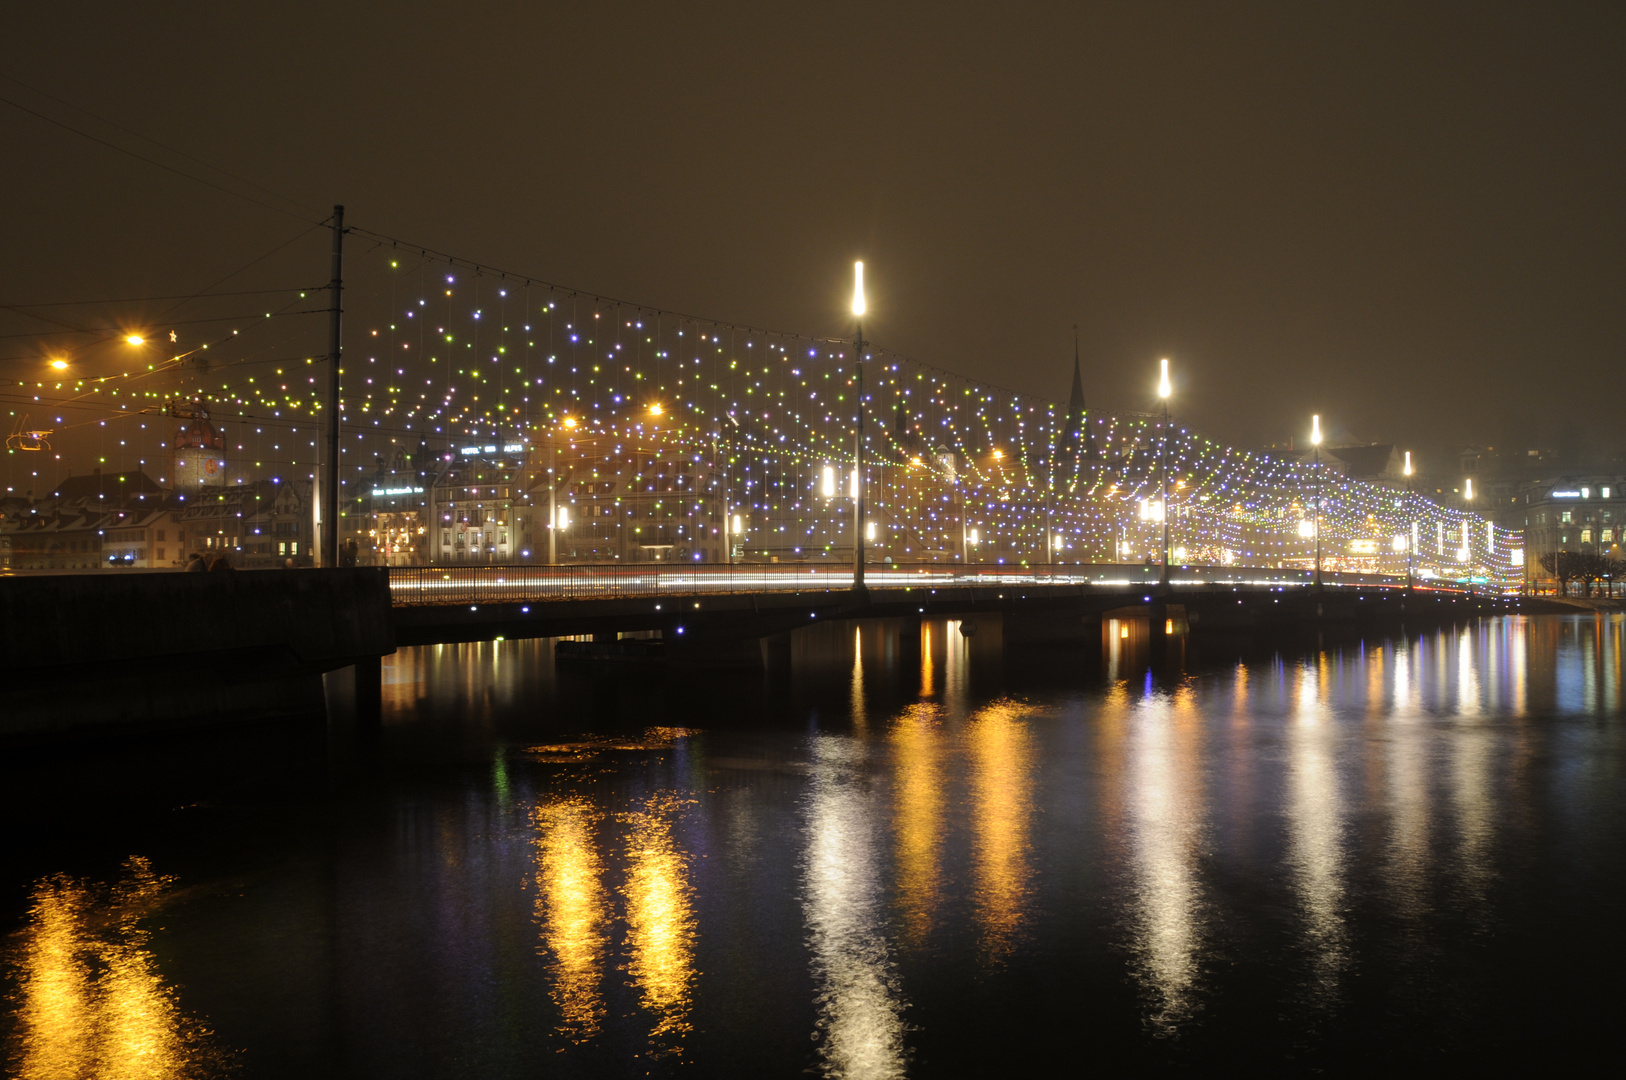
point(1315, 522)
point(1410, 544)
point(859, 307)
point(1163, 390)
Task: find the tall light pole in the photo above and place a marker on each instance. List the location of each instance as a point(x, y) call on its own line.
point(1163, 391)
point(1410, 532)
point(1315, 521)
point(328, 510)
point(859, 307)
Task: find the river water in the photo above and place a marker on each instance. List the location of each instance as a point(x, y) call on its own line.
point(892, 857)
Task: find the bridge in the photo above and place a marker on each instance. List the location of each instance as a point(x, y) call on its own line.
point(517, 458)
point(106, 649)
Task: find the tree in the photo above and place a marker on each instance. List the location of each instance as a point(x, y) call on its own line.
point(1565, 566)
point(1612, 570)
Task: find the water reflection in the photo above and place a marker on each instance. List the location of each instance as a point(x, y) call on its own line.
point(571, 907)
point(918, 817)
point(860, 1025)
point(1316, 832)
point(660, 920)
point(1001, 807)
point(1166, 824)
point(91, 1002)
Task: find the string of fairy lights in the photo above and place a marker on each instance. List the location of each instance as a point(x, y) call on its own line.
point(757, 427)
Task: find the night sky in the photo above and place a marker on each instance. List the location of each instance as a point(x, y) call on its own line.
point(1408, 221)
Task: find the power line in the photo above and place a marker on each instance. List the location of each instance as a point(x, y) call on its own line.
point(22, 308)
point(183, 322)
point(150, 161)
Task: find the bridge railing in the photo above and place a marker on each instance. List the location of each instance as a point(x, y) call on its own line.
point(440, 585)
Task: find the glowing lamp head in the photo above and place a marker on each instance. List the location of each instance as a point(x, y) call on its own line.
point(1408, 462)
point(859, 307)
point(569, 422)
point(60, 365)
point(1163, 388)
point(1468, 488)
point(1315, 430)
point(655, 409)
point(136, 339)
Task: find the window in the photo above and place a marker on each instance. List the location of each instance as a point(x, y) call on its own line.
point(282, 548)
point(1586, 536)
point(161, 554)
point(293, 548)
point(1608, 536)
point(1564, 517)
point(160, 539)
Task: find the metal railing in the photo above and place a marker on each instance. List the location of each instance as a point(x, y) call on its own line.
point(442, 585)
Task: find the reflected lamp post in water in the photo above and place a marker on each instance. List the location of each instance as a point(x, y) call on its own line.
point(1315, 471)
point(1163, 390)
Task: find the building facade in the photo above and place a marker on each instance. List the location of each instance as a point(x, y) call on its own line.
point(1571, 513)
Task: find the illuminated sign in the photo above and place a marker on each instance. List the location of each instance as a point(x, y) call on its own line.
point(471, 450)
point(1363, 547)
point(1566, 494)
point(398, 491)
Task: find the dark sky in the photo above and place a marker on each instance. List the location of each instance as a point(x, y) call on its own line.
point(1408, 220)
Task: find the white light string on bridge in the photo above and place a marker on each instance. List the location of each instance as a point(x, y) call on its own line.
point(745, 432)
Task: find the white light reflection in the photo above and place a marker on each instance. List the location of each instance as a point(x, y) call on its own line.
point(1467, 675)
point(1315, 832)
point(1166, 827)
point(860, 1025)
point(856, 694)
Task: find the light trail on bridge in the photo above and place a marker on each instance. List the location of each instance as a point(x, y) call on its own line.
point(436, 585)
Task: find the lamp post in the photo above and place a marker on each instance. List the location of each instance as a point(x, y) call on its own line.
point(1163, 390)
point(1410, 532)
point(859, 307)
point(1315, 521)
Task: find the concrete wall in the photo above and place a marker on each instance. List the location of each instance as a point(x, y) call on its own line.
point(178, 649)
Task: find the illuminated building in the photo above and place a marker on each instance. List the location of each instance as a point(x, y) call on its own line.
point(197, 450)
point(1571, 513)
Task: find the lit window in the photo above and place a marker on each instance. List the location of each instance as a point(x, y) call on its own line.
point(1586, 536)
point(1564, 517)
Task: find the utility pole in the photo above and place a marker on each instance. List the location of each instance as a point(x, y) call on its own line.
point(553, 503)
point(859, 307)
point(858, 473)
point(1163, 391)
point(330, 467)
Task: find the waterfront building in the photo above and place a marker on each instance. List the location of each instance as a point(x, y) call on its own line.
point(1571, 513)
point(276, 527)
point(477, 500)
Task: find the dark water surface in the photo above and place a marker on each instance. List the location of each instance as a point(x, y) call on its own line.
point(890, 858)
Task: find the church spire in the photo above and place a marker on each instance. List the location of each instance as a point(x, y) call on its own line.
point(1077, 436)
